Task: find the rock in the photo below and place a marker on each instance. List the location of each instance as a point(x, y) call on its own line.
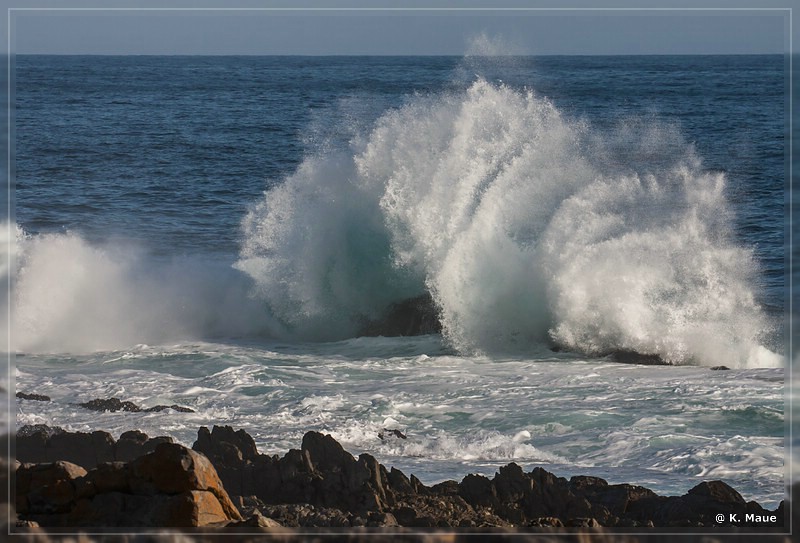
point(411, 317)
point(197, 508)
point(37, 444)
point(381, 520)
point(111, 404)
point(84, 449)
point(546, 521)
point(391, 433)
point(174, 469)
point(718, 368)
point(32, 447)
point(31, 429)
point(115, 404)
point(174, 407)
point(717, 491)
point(323, 485)
point(133, 444)
point(399, 482)
point(478, 490)
point(47, 488)
point(224, 444)
point(34, 397)
point(171, 487)
point(582, 523)
point(256, 521)
point(632, 357)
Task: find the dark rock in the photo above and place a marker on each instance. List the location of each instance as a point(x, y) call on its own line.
point(305, 515)
point(35, 397)
point(399, 482)
point(582, 523)
point(47, 488)
point(133, 444)
point(391, 433)
point(84, 449)
point(32, 447)
point(551, 522)
point(478, 490)
point(632, 357)
point(31, 429)
point(174, 407)
point(323, 485)
point(224, 444)
point(412, 317)
point(718, 368)
point(111, 404)
point(445, 488)
point(717, 491)
point(115, 404)
point(257, 520)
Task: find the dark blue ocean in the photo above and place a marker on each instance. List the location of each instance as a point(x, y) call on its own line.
point(220, 232)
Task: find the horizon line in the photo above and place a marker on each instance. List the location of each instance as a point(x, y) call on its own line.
point(456, 55)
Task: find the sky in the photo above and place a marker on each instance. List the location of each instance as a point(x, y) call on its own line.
point(400, 32)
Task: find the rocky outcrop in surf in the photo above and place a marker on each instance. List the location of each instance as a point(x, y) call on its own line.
point(224, 481)
point(412, 317)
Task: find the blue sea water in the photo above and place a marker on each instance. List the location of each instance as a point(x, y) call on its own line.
point(216, 231)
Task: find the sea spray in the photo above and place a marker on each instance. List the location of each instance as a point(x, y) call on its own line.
point(526, 227)
point(70, 295)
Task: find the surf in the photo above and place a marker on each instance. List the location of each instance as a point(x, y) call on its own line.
point(523, 227)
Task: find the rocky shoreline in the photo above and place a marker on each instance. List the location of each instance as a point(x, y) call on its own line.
point(80, 480)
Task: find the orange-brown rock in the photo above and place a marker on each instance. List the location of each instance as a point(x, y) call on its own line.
point(174, 469)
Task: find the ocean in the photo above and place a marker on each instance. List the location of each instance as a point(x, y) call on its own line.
point(242, 236)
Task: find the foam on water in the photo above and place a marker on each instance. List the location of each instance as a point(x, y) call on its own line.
point(664, 427)
point(526, 228)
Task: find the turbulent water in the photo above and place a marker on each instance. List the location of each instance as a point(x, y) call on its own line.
point(221, 232)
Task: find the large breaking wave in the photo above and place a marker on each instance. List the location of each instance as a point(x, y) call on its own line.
point(523, 226)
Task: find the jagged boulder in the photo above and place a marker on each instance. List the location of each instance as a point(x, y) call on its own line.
point(172, 486)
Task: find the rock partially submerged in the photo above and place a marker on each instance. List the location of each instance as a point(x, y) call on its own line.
point(632, 357)
point(412, 317)
point(115, 404)
point(33, 397)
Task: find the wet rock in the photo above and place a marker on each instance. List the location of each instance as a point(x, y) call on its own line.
point(111, 404)
point(632, 357)
point(174, 407)
point(412, 317)
point(34, 397)
point(115, 404)
point(385, 434)
point(31, 429)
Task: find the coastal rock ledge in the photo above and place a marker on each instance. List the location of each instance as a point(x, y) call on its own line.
point(224, 481)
